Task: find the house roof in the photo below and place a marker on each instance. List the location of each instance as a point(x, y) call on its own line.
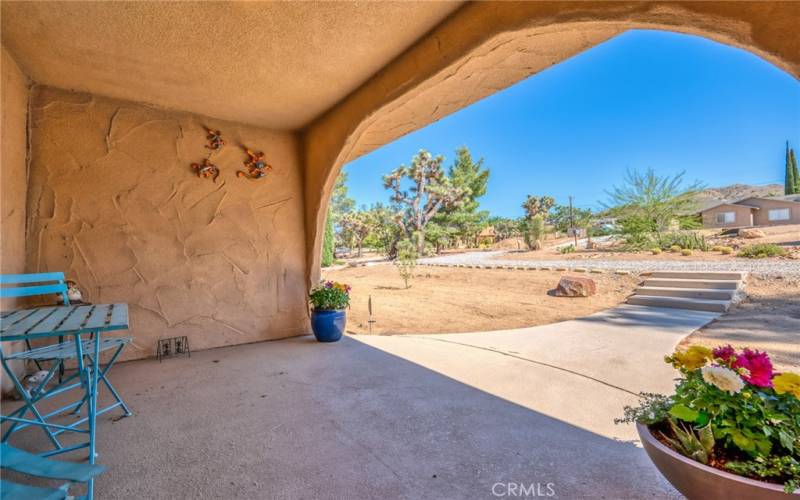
point(488, 231)
point(789, 198)
point(729, 204)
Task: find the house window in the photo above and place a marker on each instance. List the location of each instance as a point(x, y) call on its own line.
point(726, 217)
point(779, 214)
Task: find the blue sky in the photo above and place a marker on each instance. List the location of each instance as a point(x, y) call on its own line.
point(643, 99)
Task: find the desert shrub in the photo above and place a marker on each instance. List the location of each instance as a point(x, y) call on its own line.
point(686, 252)
point(690, 222)
point(567, 249)
point(762, 250)
point(674, 241)
point(716, 248)
point(726, 250)
point(655, 250)
point(406, 259)
point(682, 239)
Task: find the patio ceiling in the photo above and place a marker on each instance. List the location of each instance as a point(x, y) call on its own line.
point(272, 64)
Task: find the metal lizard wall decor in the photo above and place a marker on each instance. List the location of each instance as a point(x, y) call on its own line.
point(256, 166)
point(206, 169)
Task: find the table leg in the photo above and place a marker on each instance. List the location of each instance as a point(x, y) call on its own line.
point(93, 408)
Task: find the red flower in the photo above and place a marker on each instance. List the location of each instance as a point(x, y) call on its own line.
point(725, 353)
point(754, 367)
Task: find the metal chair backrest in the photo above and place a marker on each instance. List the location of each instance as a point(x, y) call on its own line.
point(35, 284)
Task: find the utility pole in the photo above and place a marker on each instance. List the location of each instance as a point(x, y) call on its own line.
point(572, 222)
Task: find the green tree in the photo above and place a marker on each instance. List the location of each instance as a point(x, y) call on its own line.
point(504, 227)
point(328, 242)
point(355, 227)
point(792, 181)
point(650, 201)
point(406, 259)
point(561, 219)
point(431, 191)
point(463, 221)
point(384, 233)
point(795, 174)
point(789, 180)
point(341, 203)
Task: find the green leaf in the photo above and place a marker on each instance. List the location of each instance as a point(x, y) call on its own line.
point(786, 439)
point(742, 442)
point(683, 412)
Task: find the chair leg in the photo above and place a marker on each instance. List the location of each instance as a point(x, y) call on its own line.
point(29, 406)
point(107, 383)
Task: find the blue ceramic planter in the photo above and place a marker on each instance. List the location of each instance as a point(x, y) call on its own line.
point(328, 326)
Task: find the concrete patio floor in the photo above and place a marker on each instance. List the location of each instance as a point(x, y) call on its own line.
point(394, 417)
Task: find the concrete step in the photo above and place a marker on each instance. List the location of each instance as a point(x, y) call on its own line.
point(680, 303)
point(700, 275)
point(691, 283)
point(691, 293)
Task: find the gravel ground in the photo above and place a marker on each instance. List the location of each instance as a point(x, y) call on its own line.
point(766, 268)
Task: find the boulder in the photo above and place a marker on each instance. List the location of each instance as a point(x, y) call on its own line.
point(571, 286)
point(751, 232)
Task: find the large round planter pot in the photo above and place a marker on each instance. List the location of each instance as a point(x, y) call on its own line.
point(328, 326)
point(697, 481)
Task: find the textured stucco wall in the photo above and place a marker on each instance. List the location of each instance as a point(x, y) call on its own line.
point(13, 181)
point(486, 46)
point(744, 216)
point(13, 165)
point(114, 203)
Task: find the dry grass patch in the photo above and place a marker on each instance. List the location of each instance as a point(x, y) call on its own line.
point(456, 300)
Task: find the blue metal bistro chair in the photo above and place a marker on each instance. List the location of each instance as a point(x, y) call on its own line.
point(33, 465)
point(56, 355)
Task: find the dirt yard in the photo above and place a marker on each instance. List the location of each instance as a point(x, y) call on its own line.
point(452, 300)
point(768, 320)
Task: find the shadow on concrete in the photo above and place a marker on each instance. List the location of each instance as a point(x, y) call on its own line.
point(300, 419)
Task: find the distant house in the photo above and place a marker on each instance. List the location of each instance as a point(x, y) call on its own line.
point(488, 236)
point(754, 211)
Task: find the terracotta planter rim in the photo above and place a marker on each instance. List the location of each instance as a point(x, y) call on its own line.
point(646, 435)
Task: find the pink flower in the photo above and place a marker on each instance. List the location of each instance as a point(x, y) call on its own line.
point(755, 367)
point(725, 353)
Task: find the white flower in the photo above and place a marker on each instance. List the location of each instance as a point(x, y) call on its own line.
point(723, 378)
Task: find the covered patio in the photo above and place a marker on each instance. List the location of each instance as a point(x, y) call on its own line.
point(105, 109)
point(296, 419)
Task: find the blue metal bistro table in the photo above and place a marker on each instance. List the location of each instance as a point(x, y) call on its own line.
point(83, 328)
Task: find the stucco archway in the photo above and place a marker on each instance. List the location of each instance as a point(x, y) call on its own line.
point(486, 47)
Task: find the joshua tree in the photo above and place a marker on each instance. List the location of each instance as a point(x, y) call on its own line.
point(355, 227)
point(537, 205)
point(431, 191)
point(534, 232)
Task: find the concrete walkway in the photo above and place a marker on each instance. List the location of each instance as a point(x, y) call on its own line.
point(429, 416)
point(581, 371)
